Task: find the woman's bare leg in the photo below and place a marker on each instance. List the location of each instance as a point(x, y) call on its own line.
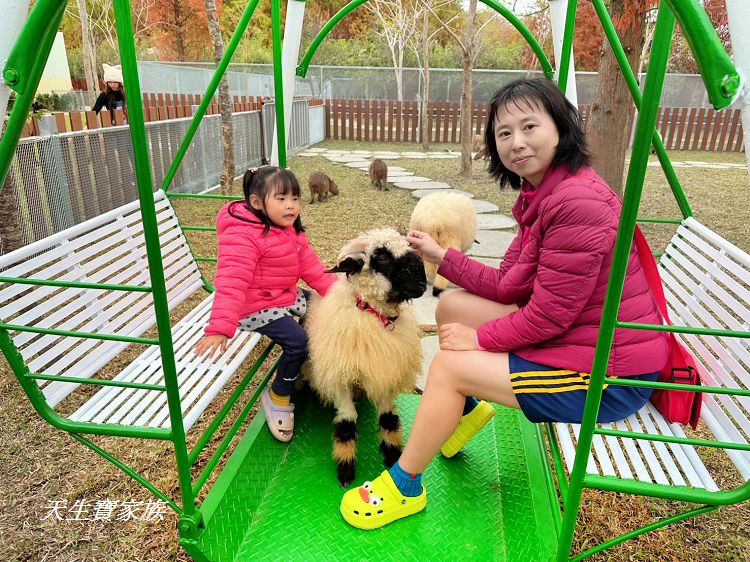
point(453, 375)
point(458, 305)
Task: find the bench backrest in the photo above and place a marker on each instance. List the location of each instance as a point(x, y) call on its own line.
point(107, 249)
point(707, 284)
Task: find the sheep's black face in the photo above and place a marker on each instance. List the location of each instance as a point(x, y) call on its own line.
point(406, 274)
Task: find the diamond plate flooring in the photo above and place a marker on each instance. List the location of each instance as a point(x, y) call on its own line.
point(487, 503)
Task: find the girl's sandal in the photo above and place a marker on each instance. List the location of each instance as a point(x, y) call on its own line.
point(280, 419)
point(467, 428)
point(378, 503)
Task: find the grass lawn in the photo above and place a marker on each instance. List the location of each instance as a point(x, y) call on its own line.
point(39, 465)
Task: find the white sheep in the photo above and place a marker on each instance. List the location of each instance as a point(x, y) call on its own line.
point(451, 221)
point(363, 337)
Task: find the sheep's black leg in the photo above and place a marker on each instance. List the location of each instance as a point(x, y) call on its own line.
point(345, 450)
point(390, 434)
point(345, 437)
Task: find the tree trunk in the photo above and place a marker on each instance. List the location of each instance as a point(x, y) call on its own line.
point(426, 81)
point(610, 118)
point(227, 175)
point(89, 54)
point(466, 90)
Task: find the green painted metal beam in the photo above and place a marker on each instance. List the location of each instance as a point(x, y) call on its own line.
point(509, 16)
point(96, 382)
point(563, 64)
point(635, 93)
point(669, 492)
point(633, 188)
point(278, 82)
point(23, 70)
point(210, 91)
point(126, 41)
point(75, 334)
point(643, 530)
point(75, 284)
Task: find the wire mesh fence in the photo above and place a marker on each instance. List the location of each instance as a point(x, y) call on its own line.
point(368, 82)
point(60, 180)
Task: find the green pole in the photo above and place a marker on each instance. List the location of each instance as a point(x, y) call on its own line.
point(278, 81)
point(635, 92)
point(563, 65)
point(633, 188)
point(23, 70)
point(210, 91)
point(156, 270)
point(499, 8)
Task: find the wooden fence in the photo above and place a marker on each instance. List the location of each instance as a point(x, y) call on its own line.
point(156, 107)
point(681, 128)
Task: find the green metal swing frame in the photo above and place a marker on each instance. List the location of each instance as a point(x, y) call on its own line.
point(22, 73)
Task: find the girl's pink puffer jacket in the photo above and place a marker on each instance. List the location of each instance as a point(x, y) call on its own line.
point(257, 270)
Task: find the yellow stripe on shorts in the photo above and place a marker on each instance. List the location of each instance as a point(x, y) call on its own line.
point(539, 382)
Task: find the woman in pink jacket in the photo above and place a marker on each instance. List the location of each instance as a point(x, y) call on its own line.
point(523, 335)
point(263, 253)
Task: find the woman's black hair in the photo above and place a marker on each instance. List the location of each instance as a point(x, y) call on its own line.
point(264, 182)
point(571, 148)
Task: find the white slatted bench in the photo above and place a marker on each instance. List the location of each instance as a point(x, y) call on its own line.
point(111, 249)
point(707, 284)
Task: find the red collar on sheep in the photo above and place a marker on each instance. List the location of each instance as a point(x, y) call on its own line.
point(386, 321)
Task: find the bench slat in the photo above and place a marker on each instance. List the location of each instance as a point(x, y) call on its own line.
point(706, 282)
point(199, 380)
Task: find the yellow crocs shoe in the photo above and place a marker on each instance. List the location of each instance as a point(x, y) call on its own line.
point(378, 503)
point(467, 428)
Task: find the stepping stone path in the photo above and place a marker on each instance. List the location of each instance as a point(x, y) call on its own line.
point(494, 231)
point(409, 183)
point(419, 193)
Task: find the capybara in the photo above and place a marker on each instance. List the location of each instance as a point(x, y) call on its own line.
point(321, 185)
point(379, 174)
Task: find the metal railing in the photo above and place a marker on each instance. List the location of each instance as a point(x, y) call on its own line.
point(59, 180)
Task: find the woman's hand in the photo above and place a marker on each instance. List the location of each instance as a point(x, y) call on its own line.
point(457, 337)
point(211, 344)
point(425, 246)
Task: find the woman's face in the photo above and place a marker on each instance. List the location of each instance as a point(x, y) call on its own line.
point(114, 86)
point(526, 139)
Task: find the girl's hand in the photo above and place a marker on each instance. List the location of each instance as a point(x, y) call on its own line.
point(211, 344)
point(425, 246)
point(457, 337)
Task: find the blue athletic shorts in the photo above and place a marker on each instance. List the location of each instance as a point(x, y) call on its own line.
point(549, 394)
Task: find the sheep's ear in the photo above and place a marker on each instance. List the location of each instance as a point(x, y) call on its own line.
point(348, 266)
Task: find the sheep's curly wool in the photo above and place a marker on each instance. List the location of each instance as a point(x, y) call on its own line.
point(451, 221)
point(349, 347)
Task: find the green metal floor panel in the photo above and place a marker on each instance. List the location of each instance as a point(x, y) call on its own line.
point(277, 502)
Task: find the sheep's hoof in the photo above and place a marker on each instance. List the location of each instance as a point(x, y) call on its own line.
point(436, 292)
point(391, 453)
point(345, 473)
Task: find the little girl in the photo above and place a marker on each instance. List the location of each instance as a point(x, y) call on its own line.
point(263, 253)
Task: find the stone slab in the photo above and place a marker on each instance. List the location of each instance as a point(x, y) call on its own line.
point(419, 193)
point(399, 173)
point(424, 307)
point(383, 156)
point(491, 243)
point(345, 159)
point(443, 156)
point(430, 347)
point(484, 206)
point(406, 183)
point(361, 165)
point(495, 222)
